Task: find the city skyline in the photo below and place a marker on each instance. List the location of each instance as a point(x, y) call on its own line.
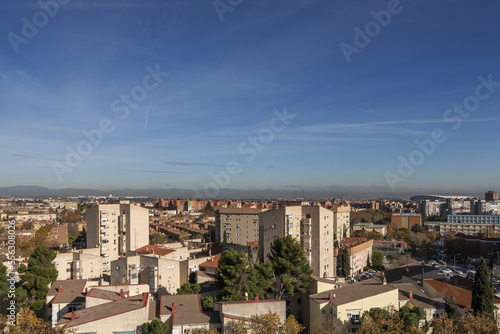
point(174, 95)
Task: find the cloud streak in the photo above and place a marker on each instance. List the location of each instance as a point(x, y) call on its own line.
point(150, 171)
point(198, 164)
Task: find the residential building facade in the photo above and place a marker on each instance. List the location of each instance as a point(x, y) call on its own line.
point(238, 225)
point(316, 228)
point(117, 229)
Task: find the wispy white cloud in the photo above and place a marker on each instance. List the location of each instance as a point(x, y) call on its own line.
point(151, 171)
point(322, 128)
point(183, 163)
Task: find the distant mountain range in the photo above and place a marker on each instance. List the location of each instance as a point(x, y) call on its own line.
point(353, 193)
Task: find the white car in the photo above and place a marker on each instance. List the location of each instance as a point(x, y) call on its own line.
point(446, 271)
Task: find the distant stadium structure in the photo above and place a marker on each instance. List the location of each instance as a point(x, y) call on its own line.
point(419, 198)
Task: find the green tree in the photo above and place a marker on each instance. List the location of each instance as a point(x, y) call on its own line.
point(41, 272)
point(224, 237)
point(155, 327)
point(417, 228)
point(346, 267)
point(207, 303)
point(482, 291)
point(188, 288)
point(411, 317)
point(192, 277)
point(4, 287)
point(235, 276)
point(73, 233)
point(377, 259)
point(379, 320)
point(451, 309)
point(290, 266)
point(157, 239)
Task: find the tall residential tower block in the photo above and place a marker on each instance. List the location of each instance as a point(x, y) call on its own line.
point(117, 229)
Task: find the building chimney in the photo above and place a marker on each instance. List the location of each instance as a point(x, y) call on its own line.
point(410, 295)
point(144, 298)
point(331, 296)
point(60, 290)
point(73, 315)
point(256, 297)
point(384, 281)
point(174, 310)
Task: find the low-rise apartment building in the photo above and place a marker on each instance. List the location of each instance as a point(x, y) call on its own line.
point(349, 302)
point(360, 254)
point(79, 264)
point(64, 296)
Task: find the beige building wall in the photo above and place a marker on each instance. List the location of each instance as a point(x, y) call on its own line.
point(79, 264)
point(32, 217)
point(241, 225)
point(314, 227)
point(248, 309)
point(321, 313)
point(137, 226)
point(278, 222)
point(157, 273)
point(342, 221)
point(116, 229)
point(127, 321)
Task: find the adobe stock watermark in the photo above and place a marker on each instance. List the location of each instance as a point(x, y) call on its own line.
point(30, 28)
point(427, 147)
point(222, 6)
point(121, 108)
point(248, 149)
point(372, 29)
point(11, 272)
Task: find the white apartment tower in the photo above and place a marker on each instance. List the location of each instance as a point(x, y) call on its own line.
point(117, 229)
point(316, 228)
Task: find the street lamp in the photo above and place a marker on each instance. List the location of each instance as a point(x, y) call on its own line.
point(454, 265)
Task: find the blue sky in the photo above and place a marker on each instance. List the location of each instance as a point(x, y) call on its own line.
point(353, 120)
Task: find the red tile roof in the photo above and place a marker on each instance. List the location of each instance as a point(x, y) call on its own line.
point(212, 262)
point(155, 249)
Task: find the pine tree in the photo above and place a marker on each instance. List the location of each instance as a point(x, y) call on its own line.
point(235, 276)
point(290, 266)
point(346, 267)
point(41, 272)
point(482, 291)
point(451, 309)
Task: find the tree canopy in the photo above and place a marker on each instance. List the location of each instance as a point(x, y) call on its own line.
point(41, 272)
point(290, 266)
point(265, 323)
point(235, 276)
point(346, 266)
point(28, 323)
point(188, 288)
point(155, 327)
point(451, 309)
point(377, 259)
point(466, 324)
point(482, 291)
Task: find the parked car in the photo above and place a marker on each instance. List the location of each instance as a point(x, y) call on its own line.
point(446, 271)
